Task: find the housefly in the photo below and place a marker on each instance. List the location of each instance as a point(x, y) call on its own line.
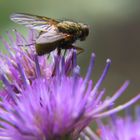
point(53, 33)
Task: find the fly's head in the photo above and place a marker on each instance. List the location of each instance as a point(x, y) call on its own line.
point(84, 31)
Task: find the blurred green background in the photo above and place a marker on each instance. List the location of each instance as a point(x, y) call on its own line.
point(114, 34)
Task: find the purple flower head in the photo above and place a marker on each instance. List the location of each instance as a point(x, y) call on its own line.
point(121, 128)
point(22, 64)
point(58, 108)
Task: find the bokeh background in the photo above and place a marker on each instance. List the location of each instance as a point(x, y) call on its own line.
point(114, 34)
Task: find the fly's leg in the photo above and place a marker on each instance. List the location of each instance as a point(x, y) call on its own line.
point(78, 49)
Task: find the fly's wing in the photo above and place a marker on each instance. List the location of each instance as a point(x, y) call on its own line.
point(51, 40)
point(50, 37)
point(34, 22)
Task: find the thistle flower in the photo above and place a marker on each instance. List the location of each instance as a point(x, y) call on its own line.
point(121, 128)
point(22, 64)
point(56, 108)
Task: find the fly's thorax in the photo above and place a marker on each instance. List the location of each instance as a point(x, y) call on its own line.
point(70, 28)
point(79, 30)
